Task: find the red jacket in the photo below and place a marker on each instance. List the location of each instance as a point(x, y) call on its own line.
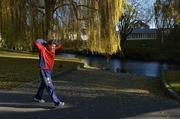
point(46, 56)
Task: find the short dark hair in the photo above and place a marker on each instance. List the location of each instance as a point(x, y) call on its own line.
point(50, 42)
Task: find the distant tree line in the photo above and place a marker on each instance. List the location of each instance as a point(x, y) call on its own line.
point(167, 19)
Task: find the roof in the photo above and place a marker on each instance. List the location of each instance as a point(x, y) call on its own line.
point(137, 30)
point(141, 24)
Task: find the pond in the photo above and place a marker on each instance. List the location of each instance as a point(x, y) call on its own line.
point(144, 68)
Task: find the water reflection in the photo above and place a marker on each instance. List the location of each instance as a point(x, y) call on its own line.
point(152, 69)
point(142, 68)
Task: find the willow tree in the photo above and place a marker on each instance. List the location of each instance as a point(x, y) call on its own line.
point(102, 35)
point(24, 20)
point(100, 26)
point(176, 10)
point(13, 23)
point(97, 17)
point(0, 17)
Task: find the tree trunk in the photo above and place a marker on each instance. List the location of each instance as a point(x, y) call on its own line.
point(123, 44)
point(49, 9)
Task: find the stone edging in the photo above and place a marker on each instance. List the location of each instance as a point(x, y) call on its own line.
point(167, 88)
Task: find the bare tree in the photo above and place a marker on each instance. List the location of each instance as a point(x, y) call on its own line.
point(165, 16)
point(125, 25)
point(134, 11)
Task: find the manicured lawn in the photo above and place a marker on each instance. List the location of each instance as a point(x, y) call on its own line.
point(173, 79)
point(16, 71)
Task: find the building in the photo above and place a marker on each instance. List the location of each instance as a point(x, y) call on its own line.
point(143, 34)
point(142, 31)
point(141, 25)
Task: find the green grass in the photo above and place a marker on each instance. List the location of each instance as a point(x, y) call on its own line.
point(19, 68)
point(14, 72)
point(173, 79)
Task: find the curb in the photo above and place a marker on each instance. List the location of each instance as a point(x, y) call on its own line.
point(167, 88)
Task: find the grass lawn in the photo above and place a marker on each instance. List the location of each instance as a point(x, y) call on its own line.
point(19, 68)
point(173, 79)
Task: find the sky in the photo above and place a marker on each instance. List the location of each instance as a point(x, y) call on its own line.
point(146, 4)
point(150, 4)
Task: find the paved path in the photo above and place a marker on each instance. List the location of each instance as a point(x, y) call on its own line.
point(93, 95)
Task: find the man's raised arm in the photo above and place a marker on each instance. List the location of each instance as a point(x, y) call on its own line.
point(58, 46)
point(39, 43)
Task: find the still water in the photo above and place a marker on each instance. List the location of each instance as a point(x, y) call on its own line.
point(150, 68)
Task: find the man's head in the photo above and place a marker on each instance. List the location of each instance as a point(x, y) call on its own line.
point(51, 44)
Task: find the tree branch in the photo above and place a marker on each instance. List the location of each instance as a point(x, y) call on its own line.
point(34, 5)
point(62, 5)
point(88, 7)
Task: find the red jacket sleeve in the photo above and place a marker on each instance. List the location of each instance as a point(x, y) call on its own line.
point(58, 46)
point(39, 44)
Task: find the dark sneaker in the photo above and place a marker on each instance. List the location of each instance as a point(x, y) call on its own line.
point(39, 100)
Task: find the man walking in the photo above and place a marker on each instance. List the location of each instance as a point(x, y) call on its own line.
point(46, 62)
